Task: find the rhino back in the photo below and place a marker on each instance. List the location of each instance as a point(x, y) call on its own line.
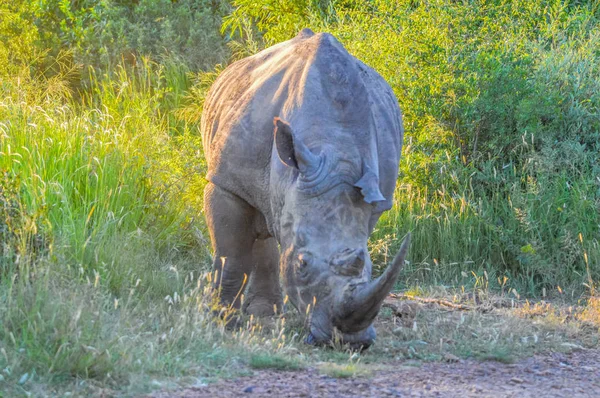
point(237, 121)
point(325, 94)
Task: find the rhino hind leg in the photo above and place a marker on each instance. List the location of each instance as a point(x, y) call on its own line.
point(263, 297)
point(230, 223)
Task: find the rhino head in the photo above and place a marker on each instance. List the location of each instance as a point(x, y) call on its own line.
point(323, 206)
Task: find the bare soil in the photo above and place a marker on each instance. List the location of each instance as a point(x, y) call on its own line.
point(555, 375)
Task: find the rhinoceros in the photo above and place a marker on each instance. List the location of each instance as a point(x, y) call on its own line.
point(302, 142)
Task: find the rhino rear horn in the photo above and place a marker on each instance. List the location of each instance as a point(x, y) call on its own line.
point(292, 151)
point(369, 186)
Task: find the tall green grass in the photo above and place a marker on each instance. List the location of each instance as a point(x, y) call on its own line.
point(92, 174)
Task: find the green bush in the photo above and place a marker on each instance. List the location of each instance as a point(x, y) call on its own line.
point(17, 37)
point(185, 31)
point(103, 34)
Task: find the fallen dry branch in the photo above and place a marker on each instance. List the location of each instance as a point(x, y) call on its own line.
point(480, 305)
point(440, 302)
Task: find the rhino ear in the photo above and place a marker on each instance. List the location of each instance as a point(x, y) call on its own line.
point(293, 152)
point(369, 186)
point(284, 142)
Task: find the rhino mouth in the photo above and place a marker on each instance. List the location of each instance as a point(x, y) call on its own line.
point(356, 341)
point(353, 314)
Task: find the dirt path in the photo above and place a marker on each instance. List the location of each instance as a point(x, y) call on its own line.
point(556, 375)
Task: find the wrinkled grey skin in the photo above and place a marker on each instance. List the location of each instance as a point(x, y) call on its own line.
point(303, 143)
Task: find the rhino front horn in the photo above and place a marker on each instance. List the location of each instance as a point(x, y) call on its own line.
point(362, 306)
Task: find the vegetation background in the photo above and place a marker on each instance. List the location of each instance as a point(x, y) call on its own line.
point(103, 249)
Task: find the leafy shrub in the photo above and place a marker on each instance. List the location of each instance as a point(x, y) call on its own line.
point(17, 38)
point(185, 31)
point(103, 34)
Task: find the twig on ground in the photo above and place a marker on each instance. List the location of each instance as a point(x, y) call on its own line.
point(441, 302)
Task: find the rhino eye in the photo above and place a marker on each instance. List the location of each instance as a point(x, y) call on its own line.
point(303, 260)
point(303, 266)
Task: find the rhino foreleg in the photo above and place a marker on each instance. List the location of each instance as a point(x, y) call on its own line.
point(264, 292)
point(230, 223)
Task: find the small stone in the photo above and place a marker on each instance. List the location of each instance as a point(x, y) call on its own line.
point(451, 358)
point(249, 389)
point(517, 380)
point(573, 347)
point(23, 379)
point(587, 368)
